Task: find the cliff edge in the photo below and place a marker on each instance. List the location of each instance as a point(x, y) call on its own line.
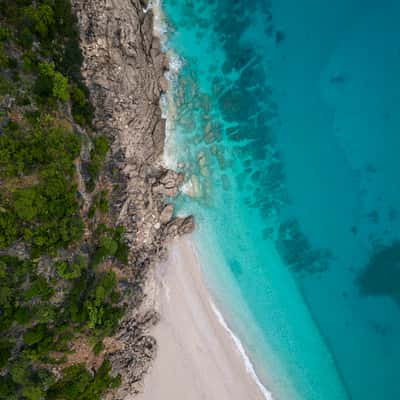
point(124, 70)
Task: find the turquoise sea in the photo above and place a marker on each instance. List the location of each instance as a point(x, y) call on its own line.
point(284, 116)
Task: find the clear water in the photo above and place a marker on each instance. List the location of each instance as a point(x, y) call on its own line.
point(286, 125)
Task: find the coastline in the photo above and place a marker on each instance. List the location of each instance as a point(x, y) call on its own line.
point(126, 74)
point(123, 68)
point(198, 356)
point(167, 332)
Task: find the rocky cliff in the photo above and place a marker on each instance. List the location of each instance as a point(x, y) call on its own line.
point(124, 70)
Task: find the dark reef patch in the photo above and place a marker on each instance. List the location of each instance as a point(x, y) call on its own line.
point(297, 251)
point(381, 277)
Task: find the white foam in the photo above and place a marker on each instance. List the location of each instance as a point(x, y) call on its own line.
point(168, 106)
point(159, 22)
point(249, 366)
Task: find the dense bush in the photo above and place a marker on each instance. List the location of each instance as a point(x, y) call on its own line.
point(55, 294)
point(111, 243)
point(8, 388)
point(23, 151)
point(78, 383)
point(39, 20)
point(71, 270)
point(81, 108)
point(13, 274)
point(46, 213)
point(25, 382)
point(5, 351)
point(3, 57)
point(51, 83)
point(91, 303)
point(8, 228)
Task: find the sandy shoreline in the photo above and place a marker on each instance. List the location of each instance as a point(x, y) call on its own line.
point(197, 358)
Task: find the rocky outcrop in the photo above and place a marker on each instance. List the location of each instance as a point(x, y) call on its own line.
point(124, 70)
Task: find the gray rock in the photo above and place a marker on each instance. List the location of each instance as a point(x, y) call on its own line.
point(124, 70)
point(166, 214)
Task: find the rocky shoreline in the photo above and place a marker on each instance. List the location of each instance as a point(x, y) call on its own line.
point(124, 70)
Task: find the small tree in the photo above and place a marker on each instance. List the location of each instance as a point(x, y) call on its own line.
point(51, 83)
point(72, 270)
point(25, 201)
point(8, 228)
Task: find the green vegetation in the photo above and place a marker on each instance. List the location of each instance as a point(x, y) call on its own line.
point(100, 202)
point(97, 157)
point(78, 383)
point(71, 270)
point(45, 214)
point(60, 288)
point(111, 243)
point(51, 83)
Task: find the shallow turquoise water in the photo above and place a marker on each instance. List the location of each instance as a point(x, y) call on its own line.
point(287, 128)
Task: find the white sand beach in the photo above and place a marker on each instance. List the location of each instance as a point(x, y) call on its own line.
point(197, 357)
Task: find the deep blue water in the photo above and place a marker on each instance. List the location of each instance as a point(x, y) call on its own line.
point(287, 128)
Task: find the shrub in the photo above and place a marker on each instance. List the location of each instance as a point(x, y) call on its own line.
point(5, 351)
point(8, 228)
point(33, 392)
point(50, 236)
point(92, 210)
point(20, 371)
point(51, 83)
point(5, 34)
point(81, 108)
point(74, 383)
point(3, 57)
point(41, 206)
point(103, 317)
point(40, 20)
point(72, 270)
point(39, 288)
point(43, 313)
point(97, 157)
point(111, 243)
point(35, 335)
point(98, 347)
point(103, 202)
point(23, 315)
point(25, 38)
point(27, 203)
point(107, 247)
point(8, 388)
point(78, 383)
point(60, 87)
point(123, 250)
point(29, 60)
point(23, 151)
